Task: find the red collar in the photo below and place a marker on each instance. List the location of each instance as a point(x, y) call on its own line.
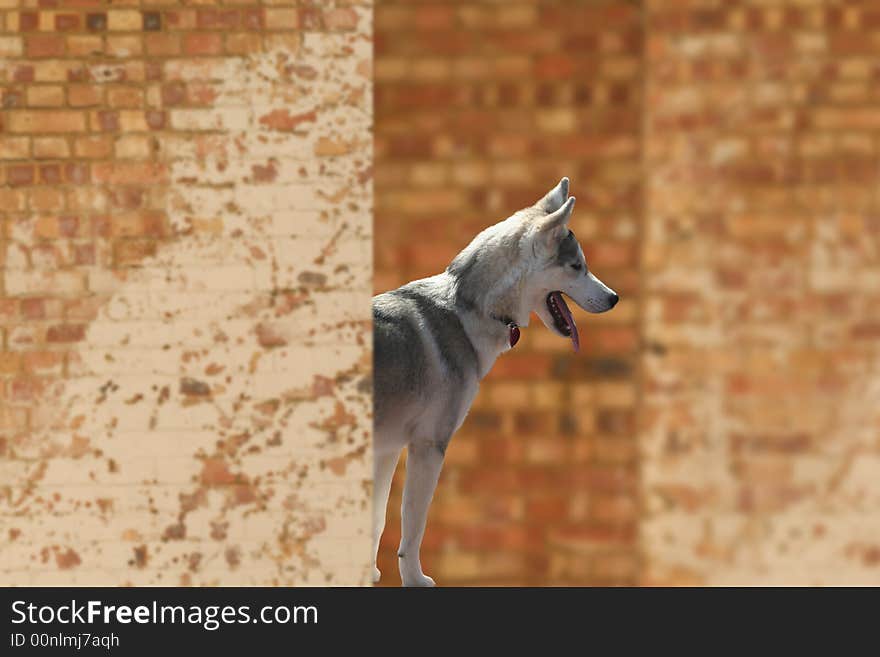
point(514, 334)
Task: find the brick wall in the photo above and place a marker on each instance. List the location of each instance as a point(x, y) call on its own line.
point(185, 213)
point(762, 311)
point(720, 426)
point(480, 108)
point(184, 238)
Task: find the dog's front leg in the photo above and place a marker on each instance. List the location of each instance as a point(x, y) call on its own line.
point(423, 463)
point(384, 465)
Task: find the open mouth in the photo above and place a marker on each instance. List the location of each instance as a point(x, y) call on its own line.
point(562, 318)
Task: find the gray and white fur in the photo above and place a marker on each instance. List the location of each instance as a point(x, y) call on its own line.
point(436, 338)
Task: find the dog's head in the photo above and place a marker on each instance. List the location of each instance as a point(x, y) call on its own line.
point(558, 265)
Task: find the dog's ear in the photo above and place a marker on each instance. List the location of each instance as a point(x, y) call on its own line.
point(554, 199)
point(554, 226)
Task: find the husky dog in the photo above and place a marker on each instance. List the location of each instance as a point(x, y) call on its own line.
point(436, 338)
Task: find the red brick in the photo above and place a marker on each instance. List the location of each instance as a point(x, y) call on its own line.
point(133, 251)
point(50, 174)
point(219, 19)
point(108, 121)
point(42, 363)
point(162, 44)
point(85, 95)
point(173, 93)
point(25, 389)
point(76, 173)
point(48, 121)
point(67, 22)
point(129, 173)
point(68, 226)
point(128, 198)
point(153, 70)
point(310, 19)
point(343, 19)
point(28, 21)
point(20, 175)
point(94, 147)
point(254, 18)
point(44, 45)
point(183, 19)
point(202, 44)
point(66, 333)
point(23, 73)
point(84, 254)
point(155, 119)
point(33, 309)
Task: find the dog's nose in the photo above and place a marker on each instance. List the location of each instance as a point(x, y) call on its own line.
point(613, 299)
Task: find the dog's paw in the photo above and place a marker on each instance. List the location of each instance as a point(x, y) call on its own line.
point(418, 580)
point(377, 575)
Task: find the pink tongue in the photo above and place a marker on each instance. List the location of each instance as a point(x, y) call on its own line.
point(566, 313)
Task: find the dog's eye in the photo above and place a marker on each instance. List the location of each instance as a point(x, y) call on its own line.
point(577, 266)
